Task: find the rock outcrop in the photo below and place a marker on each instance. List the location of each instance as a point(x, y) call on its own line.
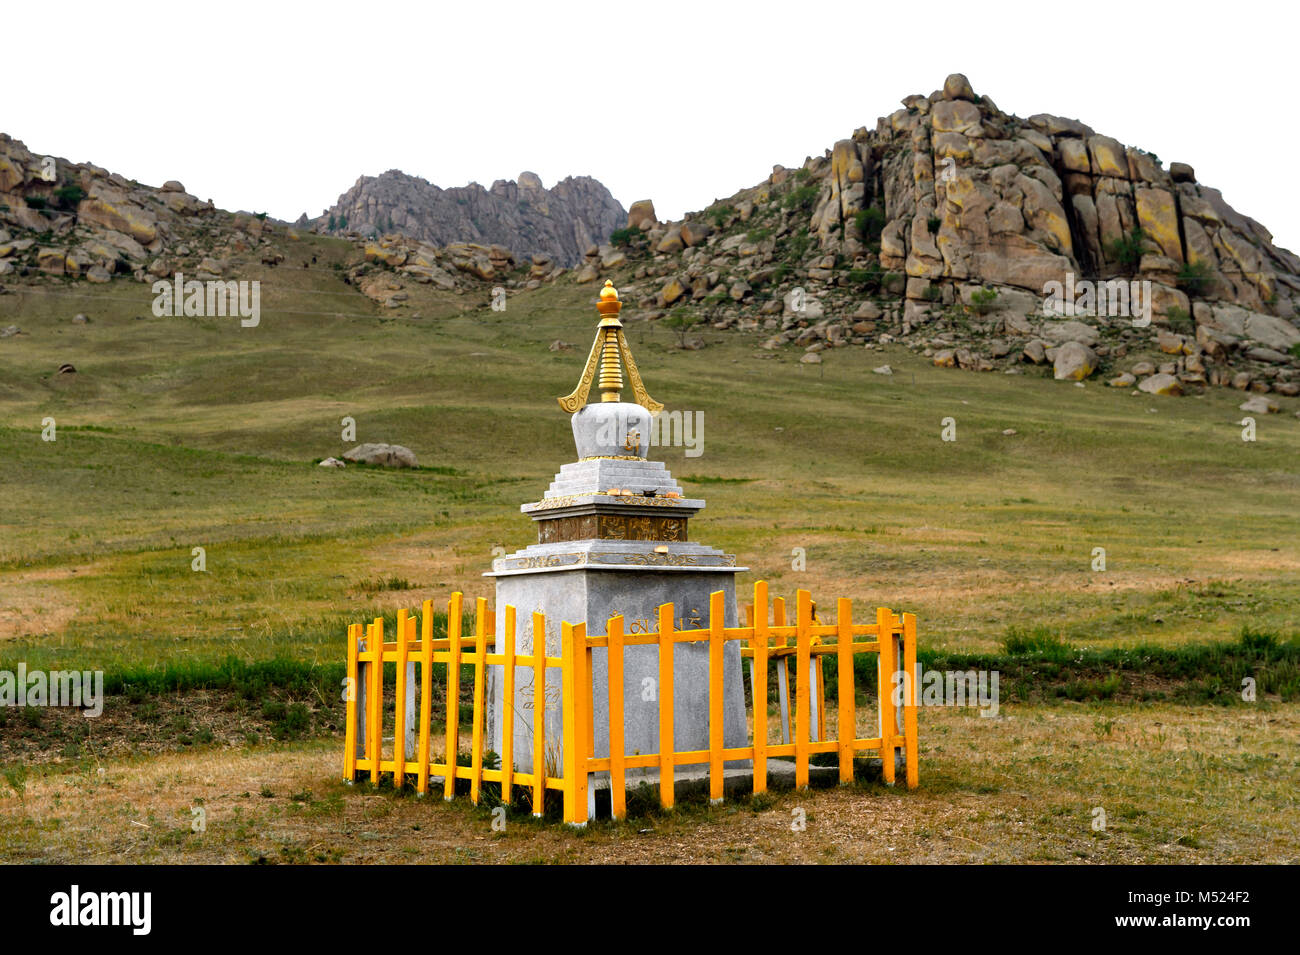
point(951, 226)
point(523, 216)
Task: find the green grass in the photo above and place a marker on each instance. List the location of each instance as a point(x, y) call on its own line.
point(184, 433)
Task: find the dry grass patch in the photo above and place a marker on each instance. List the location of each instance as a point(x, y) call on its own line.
point(1178, 784)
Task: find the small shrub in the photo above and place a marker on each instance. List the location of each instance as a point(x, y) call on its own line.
point(1021, 642)
point(68, 196)
point(1128, 250)
point(622, 238)
point(802, 197)
point(681, 321)
point(982, 300)
point(869, 222)
point(295, 723)
point(798, 245)
point(1179, 320)
point(36, 202)
point(1195, 278)
point(720, 214)
point(867, 278)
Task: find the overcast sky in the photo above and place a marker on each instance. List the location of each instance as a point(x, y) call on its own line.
point(279, 108)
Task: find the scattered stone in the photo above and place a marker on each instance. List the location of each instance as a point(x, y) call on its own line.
point(332, 463)
point(80, 319)
point(882, 370)
point(811, 358)
point(1073, 362)
point(387, 455)
point(1035, 351)
point(1061, 332)
point(642, 215)
point(559, 345)
point(1009, 431)
point(1269, 355)
point(1161, 385)
point(1259, 405)
point(1122, 380)
point(9, 331)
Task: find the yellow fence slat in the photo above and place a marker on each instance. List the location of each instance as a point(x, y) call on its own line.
point(399, 706)
point(375, 723)
point(426, 695)
point(476, 734)
point(350, 706)
point(667, 782)
point(539, 713)
point(803, 641)
point(716, 645)
point(569, 707)
point(617, 780)
point(453, 693)
point(909, 703)
point(848, 730)
point(888, 720)
point(507, 714)
point(759, 689)
point(584, 731)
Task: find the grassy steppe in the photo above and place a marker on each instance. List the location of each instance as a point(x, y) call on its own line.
point(181, 433)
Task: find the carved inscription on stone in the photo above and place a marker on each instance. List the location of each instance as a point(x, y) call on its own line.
point(612, 527)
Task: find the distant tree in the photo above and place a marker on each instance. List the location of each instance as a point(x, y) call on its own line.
point(681, 321)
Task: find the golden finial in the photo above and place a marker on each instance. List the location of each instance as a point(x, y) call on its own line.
point(610, 345)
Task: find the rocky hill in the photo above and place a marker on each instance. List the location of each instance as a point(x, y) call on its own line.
point(523, 216)
point(949, 227)
point(946, 226)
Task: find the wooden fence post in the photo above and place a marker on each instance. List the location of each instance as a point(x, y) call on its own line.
point(909, 704)
point(399, 706)
point(426, 696)
point(453, 694)
point(476, 732)
point(350, 703)
point(614, 672)
point(376, 727)
point(844, 664)
point(758, 682)
point(887, 667)
point(716, 623)
point(667, 744)
point(507, 714)
point(803, 669)
point(539, 714)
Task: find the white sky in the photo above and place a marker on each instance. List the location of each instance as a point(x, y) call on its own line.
point(279, 107)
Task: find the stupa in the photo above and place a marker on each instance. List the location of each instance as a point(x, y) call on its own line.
point(612, 538)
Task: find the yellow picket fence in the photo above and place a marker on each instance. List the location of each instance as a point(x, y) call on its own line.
point(892, 637)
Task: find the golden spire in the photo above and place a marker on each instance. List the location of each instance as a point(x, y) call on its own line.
point(606, 350)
